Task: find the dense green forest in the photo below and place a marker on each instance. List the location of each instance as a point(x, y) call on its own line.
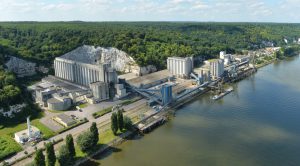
point(146, 42)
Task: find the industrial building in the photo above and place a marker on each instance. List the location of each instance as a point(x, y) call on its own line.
point(100, 90)
point(150, 80)
point(30, 134)
point(226, 57)
point(120, 91)
point(180, 67)
point(203, 73)
point(241, 58)
point(59, 102)
point(64, 120)
point(83, 73)
point(216, 68)
point(57, 94)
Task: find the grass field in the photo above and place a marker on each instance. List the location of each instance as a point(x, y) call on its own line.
point(83, 105)
point(10, 130)
point(102, 112)
point(8, 146)
point(106, 137)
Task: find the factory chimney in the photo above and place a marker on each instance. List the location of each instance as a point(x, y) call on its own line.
point(28, 127)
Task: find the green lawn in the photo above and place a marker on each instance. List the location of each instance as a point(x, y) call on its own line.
point(8, 146)
point(102, 112)
point(10, 130)
point(47, 133)
point(83, 105)
point(106, 137)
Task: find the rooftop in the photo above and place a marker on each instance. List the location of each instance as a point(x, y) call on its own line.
point(149, 78)
point(212, 60)
point(65, 118)
point(65, 85)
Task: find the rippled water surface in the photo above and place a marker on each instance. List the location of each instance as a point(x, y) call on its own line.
point(256, 125)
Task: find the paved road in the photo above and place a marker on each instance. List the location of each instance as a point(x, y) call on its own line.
point(104, 120)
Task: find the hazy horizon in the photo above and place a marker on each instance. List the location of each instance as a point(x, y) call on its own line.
point(252, 11)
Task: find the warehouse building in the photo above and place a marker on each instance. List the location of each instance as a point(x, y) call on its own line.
point(64, 120)
point(180, 67)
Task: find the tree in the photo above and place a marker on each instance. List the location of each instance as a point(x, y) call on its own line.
point(85, 141)
point(127, 123)
point(50, 154)
point(39, 159)
point(5, 163)
point(120, 120)
point(64, 157)
point(114, 123)
point(70, 145)
point(94, 131)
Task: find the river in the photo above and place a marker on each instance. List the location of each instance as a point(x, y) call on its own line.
point(256, 125)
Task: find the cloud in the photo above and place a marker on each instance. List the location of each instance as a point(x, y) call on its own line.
point(150, 10)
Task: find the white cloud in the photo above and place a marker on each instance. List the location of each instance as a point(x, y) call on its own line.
point(150, 10)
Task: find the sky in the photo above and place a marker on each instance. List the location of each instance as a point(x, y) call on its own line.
point(151, 10)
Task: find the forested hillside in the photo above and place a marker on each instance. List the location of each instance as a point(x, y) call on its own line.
point(146, 42)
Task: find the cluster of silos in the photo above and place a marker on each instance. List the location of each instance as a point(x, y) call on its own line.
point(82, 73)
point(180, 67)
point(216, 68)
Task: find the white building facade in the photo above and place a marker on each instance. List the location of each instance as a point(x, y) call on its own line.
point(216, 68)
point(100, 90)
point(180, 67)
point(82, 73)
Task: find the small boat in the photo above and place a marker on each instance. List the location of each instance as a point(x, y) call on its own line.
point(217, 97)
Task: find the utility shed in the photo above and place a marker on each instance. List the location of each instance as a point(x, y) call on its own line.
point(64, 120)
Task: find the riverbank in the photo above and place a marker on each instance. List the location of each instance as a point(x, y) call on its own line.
point(177, 106)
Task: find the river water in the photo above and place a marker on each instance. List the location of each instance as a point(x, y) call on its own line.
point(256, 125)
